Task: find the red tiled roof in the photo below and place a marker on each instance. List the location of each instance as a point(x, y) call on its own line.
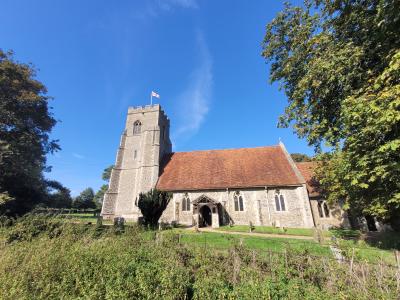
point(307, 170)
point(232, 168)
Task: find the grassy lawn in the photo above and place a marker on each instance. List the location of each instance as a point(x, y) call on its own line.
point(224, 241)
point(221, 241)
point(273, 230)
point(84, 218)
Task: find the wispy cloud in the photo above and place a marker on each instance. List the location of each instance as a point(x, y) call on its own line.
point(194, 101)
point(168, 5)
point(78, 156)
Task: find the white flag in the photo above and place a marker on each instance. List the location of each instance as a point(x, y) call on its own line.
point(154, 94)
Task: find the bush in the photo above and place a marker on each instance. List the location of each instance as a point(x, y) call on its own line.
point(83, 262)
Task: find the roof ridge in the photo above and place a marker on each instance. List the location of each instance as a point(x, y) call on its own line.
point(228, 149)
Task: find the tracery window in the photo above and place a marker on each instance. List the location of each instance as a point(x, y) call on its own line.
point(186, 203)
point(280, 202)
point(323, 209)
point(137, 127)
point(238, 200)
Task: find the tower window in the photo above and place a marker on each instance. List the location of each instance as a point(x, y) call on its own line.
point(186, 203)
point(238, 201)
point(134, 154)
point(280, 202)
point(137, 127)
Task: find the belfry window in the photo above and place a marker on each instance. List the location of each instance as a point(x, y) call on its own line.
point(186, 203)
point(238, 201)
point(137, 127)
point(280, 202)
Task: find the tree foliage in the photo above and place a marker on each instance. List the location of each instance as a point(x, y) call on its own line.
point(25, 124)
point(58, 195)
point(152, 204)
point(107, 173)
point(85, 199)
point(338, 63)
point(300, 157)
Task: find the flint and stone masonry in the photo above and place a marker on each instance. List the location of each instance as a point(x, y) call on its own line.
point(207, 185)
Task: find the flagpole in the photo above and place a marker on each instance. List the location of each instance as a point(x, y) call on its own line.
point(151, 99)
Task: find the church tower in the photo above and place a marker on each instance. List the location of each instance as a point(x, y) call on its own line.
point(144, 142)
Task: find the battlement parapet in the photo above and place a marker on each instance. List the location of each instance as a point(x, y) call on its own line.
point(146, 108)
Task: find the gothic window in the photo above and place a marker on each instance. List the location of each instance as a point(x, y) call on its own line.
point(280, 202)
point(323, 209)
point(238, 199)
point(186, 203)
point(137, 127)
point(320, 212)
point(326, 210)
point(134, 154)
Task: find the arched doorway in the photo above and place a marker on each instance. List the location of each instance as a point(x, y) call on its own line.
point(205, 219)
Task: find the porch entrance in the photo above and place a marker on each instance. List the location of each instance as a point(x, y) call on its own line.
point(205, 216)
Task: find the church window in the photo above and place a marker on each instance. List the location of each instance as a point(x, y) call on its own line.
point(323, 209)
point(137, 127)
point(134, 154)
point(186, 203)
point(326, 210)
point(280, 202)
point(320, 212)
point(238, 200)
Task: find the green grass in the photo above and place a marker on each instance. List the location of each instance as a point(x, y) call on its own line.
point(224, 241)
point(84, 218)
point(273, 230)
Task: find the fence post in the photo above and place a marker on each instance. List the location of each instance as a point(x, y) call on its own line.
point(397, 256)
point(351, 261)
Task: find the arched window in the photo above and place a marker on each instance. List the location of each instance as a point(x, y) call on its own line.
point(186, 203)
point(320, 212)
point(137, 127)
point(238, 200)
point(326, 210)
point(323, 209)
point(280, 202)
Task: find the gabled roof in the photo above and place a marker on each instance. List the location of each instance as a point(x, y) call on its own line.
point(307, 169)
point(231, 168)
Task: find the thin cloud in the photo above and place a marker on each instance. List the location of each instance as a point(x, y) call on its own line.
point(168, 5)
point(194, 101)
point(78, 156)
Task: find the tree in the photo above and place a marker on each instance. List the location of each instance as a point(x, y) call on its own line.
point(152, 204)
point(107, 173)
point(85, 199)
point(98, 198)
point(338, 63)
point(58, 195)
point(300, 157)
point(25, 124)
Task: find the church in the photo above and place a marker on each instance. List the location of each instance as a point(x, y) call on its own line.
point(262, 186)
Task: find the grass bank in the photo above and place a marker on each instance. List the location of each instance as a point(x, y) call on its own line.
point(47, 258)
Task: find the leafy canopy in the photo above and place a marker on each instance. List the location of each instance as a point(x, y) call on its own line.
point(25, 125)
point(338, 63)
point(152, 204)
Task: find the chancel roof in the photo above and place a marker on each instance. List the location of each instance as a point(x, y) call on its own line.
point(307, 169)
point(231, 168)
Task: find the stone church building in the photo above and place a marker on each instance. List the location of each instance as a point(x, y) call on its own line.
point(260, 185)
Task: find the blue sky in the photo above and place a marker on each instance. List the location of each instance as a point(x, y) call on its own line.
point(97, 58)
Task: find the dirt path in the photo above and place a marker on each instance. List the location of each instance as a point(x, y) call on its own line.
point(265, 235)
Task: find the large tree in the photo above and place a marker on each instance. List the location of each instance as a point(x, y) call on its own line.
point(338, 63)
point(25, 125)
